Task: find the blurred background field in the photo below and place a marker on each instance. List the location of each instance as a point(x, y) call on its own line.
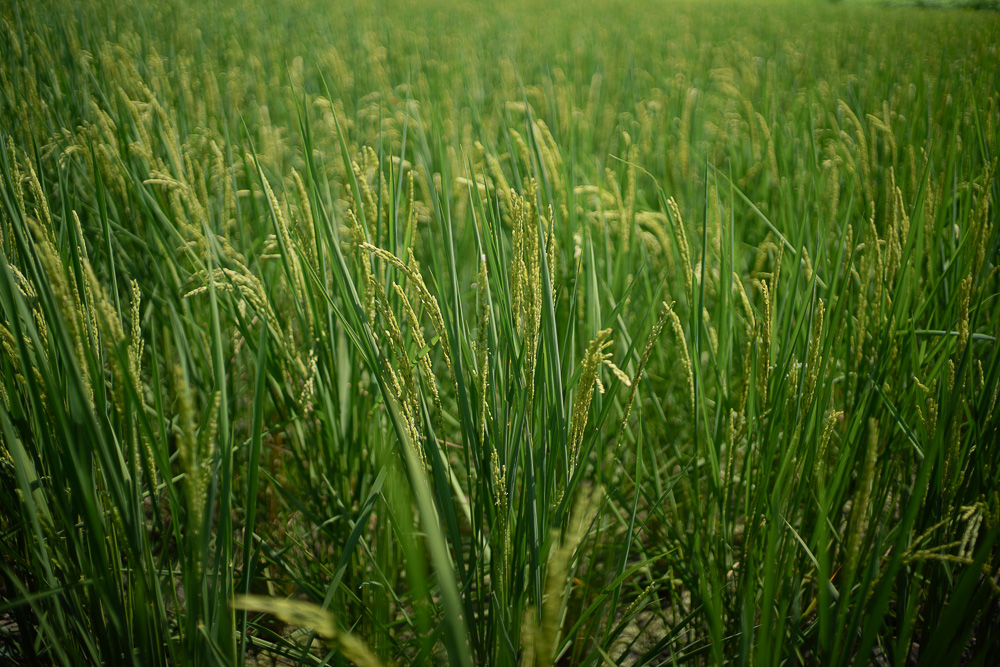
point(499, 333)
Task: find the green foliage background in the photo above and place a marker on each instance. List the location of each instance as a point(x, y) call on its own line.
point(498, 333)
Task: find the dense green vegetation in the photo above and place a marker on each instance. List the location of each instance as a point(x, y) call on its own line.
point(498, 333)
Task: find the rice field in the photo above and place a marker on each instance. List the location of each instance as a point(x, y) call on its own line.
point(526, 333)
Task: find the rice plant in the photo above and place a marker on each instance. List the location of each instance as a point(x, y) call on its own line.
point(481, 333)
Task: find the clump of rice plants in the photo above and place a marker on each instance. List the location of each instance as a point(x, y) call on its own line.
point(397, 333)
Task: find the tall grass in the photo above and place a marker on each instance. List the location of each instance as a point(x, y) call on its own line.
point(498, 334)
